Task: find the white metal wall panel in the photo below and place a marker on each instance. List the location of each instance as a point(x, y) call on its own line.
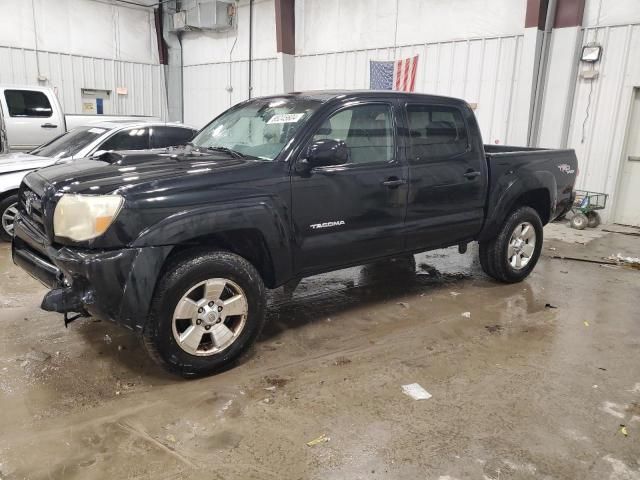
point(90, 28)
point(482, 71)
point(600, 13)
point(601, 108)
point(331, 25)
point(205, 87)
point(68, 74)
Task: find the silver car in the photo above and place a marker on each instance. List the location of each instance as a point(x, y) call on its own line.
point(81, 142)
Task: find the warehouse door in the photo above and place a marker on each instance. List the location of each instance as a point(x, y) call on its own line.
point(628, 204)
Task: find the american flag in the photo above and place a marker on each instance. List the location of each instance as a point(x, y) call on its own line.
point(393, 75)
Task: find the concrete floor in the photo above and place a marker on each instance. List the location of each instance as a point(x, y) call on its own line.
point(520, 390)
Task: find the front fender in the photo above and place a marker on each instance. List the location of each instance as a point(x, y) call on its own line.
point(188, 225)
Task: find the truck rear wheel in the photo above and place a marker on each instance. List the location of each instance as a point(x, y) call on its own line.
point(208, 309)
point(513, 253)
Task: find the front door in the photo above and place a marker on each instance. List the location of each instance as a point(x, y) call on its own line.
point(628, 201)
point(448, 181)
point(349, 213)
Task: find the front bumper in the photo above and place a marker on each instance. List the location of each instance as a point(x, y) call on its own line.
point(112, 284)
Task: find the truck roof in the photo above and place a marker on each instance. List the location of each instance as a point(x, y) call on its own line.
point(326, 95)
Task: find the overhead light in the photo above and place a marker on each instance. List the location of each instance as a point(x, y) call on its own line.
point(591, 53)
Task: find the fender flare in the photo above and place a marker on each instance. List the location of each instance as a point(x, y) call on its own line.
point(261, 216)
point(508, 191)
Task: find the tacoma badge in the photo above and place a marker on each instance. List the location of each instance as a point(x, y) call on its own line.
point(337, 223)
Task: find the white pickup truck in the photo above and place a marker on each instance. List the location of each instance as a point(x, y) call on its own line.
point(31, 116)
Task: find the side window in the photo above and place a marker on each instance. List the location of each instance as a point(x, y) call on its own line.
point(436, 132)
point(130, 139)
point(27, 103)
point(367, 130)
point(162, 137)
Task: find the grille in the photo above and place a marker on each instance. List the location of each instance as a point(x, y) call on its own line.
point(31, 207)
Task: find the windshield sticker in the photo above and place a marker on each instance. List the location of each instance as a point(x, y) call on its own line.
point(96, 130)
point(286, 118)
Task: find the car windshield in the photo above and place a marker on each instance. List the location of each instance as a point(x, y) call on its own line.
point(70, 143)
point(258, 129)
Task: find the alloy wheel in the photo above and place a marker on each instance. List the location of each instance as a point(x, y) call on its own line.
point(210, 316)
point(522, 244)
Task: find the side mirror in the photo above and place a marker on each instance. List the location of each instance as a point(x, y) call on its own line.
point(324, 153)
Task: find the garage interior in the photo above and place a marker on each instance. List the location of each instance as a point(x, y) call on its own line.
point(533, 380)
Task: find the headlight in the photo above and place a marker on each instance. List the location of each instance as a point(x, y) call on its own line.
point(83, 217)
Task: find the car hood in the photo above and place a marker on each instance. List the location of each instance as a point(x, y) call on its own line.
point(19, 161)
point(140, 172)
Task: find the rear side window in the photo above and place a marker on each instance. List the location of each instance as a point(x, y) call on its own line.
point(27, 103)
point(130, 139)
point(435, 132)
point(162, 137)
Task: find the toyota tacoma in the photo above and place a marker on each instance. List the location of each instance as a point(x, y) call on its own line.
point(180, 245)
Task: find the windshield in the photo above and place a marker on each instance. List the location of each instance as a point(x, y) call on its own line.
point(70, 143)
point(258, 129)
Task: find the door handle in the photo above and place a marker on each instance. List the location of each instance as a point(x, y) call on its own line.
point(49, 125)
point(471, 174)
point(394, 182)
point(634, 158)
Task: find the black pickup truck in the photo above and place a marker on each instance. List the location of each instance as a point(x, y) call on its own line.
point(179, 245)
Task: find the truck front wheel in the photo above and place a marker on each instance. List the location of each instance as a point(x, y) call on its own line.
point(208, 309)
point(513, 253)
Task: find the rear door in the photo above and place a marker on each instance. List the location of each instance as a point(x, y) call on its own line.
point(348, 213)
point(31, 117)
point(448, 177)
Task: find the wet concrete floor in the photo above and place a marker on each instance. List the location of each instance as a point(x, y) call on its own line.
point(519, 390)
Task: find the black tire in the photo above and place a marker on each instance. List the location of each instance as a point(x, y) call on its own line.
point(579, 221)
point(493, 253)
point(594, 219)
point(5, 203)
point(182, 273)
point(485, 263)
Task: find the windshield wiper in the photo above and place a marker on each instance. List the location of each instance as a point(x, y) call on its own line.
point(233, 153)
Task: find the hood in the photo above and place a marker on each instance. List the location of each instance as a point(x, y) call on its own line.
point(18, 161)
point(141, 171)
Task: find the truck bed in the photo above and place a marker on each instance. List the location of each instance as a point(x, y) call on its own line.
point(534, 168)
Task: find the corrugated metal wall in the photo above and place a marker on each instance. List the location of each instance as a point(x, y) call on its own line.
point(68, 74)
point(602, 106)
point(482, 71)
point(205, 86)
